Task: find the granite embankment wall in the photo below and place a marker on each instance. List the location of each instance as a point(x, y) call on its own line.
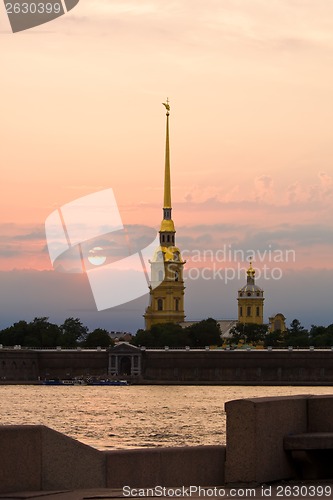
point(30, 365)
point(257, 367)
point(256, 428)
point(240, 366)
point(37, 458)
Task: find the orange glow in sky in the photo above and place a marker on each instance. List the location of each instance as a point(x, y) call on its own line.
point(250, 87)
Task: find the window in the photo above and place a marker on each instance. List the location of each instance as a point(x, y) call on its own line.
point(168, 238)
point(159, 256)
point(258, 311)
point(160, 304)
point(248, 311)
point(277, 325)
point(176, 276)
point(176, 304)
point(241, 311)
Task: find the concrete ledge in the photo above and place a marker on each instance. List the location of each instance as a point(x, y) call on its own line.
point(34, 458)
point(20, 458)
point(309, 441)
point(255, 431)
point(183, 466)
point(68, 463)
point(320, 411)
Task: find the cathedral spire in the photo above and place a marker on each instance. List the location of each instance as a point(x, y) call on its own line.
point(250, 274)
point(167, 181)
point(167, 231)
point(166, 288)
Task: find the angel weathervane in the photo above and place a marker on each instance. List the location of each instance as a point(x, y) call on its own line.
point(167, 105)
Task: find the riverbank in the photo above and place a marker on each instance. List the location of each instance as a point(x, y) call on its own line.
point(255, 461)
point(303, 367)
point(199, 383)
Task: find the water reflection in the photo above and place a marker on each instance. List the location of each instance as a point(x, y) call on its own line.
point(133, 416)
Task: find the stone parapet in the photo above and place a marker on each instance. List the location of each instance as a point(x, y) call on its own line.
point(37, 458)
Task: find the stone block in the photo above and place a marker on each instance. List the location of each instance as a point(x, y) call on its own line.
point(309, 441)
point(320, 411)
point(69, 464)
point(20, 458)
point(255, 431)
point(183, 466)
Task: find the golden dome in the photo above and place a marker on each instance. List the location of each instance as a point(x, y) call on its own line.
point(251, 272)
point(168, 254)
point(167, 226)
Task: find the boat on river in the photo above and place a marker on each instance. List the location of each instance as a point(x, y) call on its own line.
point(108, 382)
point(56, 381)
point(80, 382)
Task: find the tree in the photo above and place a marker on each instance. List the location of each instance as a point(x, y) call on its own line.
point(38, 333)
point(250, 333)
point(297, 335)
point(321, 336)
point(73, 331)
point(296, 328)
point(143, 338)
point(42, 333)
point(169, 334)
point(206, 332)
point(99, 337)
point(161, 335)
point(15, 334)
point(274, 339)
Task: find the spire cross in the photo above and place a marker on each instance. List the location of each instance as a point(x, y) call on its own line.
point(167, 106)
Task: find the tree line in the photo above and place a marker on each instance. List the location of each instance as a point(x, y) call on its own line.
point(72, 333)
point(41, 333)
point(296, 335)
point(206, 332)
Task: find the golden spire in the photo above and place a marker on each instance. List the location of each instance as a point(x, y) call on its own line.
point(251, 272)
point(167, 182)
point(167, 225)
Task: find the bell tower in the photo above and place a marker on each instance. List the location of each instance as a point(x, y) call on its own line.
point(166, 289)
point(251, 301)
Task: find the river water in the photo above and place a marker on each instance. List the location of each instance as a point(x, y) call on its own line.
point(122, 417)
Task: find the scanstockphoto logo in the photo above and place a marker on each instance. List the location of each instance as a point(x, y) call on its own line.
point(24, 14)
point(87, 235)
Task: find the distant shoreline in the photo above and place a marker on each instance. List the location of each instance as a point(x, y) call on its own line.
point(189, 383)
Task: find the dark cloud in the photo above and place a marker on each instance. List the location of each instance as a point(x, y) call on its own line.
point(9, 252)
point(27, 294)
point(249, 236)
point(36, 235)
point(23, 244)
point(21, 241)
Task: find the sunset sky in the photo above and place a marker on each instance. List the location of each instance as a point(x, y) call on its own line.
point(250, 86)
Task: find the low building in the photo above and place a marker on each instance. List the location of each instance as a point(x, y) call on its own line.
point(277, 323)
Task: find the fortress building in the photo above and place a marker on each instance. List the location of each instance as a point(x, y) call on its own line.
point(251, 301)
point(167, 284)
point(277, 323)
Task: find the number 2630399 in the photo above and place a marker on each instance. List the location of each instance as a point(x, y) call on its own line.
point(33, 8)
